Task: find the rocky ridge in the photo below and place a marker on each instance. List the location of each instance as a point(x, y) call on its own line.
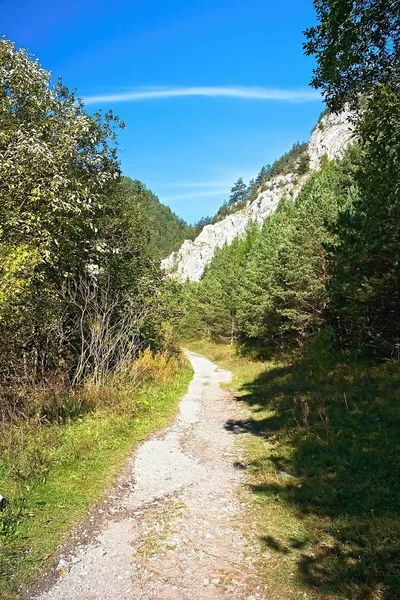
point(330, 137)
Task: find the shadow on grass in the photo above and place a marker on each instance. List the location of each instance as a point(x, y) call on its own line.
point(337, 444)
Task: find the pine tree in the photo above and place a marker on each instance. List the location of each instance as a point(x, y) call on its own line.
point(256, 312)
point(282, 295)
point(263, 175)
point(356, 46)
point(216, 294)
point(364, 264)
point(238, 193)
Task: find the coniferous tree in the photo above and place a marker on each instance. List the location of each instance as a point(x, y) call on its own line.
point(256, 311)
point(364, 265)
point(166, 230)
point(283, 297)
point(201, 223)
point(213, 302)
point(252, 190)
point(263, 175)
point(238, 193)
point(357, 48)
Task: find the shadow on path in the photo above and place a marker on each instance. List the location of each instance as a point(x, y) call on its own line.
point(335, 463)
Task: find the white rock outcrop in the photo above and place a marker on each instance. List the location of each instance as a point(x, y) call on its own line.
point(191, 259)
point(331, 136)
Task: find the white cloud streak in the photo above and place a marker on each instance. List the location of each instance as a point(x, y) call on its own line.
point(246, 93)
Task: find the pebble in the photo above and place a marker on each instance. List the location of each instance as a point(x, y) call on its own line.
point(63, 566)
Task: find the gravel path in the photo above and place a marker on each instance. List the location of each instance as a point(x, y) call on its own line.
point(172, 527)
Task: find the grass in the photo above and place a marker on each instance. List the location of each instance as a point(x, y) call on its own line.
point(52, 474)
point(323, 451)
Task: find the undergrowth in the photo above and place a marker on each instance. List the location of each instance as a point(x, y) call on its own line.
point(56, 464)
point(323, 455)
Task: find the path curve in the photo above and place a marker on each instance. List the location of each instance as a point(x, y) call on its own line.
point(172, 528)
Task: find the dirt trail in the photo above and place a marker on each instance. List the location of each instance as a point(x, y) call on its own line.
point(171, 529)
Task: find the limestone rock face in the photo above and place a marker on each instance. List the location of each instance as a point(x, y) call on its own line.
point(191, 259)
point(331, 136)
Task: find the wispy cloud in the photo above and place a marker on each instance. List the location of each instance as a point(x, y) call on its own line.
point(247, 93)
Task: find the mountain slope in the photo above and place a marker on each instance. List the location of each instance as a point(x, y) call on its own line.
point(330, 137)
point(166, 230)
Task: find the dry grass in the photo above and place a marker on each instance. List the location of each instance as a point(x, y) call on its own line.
point(57, 462)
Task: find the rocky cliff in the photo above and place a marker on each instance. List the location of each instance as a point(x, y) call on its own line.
point(331, 136)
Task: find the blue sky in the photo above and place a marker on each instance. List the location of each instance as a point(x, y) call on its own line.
point(215, 63)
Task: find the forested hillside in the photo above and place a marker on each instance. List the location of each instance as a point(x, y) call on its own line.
point(166, 232)
point(278, 295)
point(326, 260)
point(304, 309)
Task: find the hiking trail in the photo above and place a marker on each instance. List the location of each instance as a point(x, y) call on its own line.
point(172, 527)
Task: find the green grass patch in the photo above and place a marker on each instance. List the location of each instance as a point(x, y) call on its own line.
point(323, 450)
point(52, 474)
